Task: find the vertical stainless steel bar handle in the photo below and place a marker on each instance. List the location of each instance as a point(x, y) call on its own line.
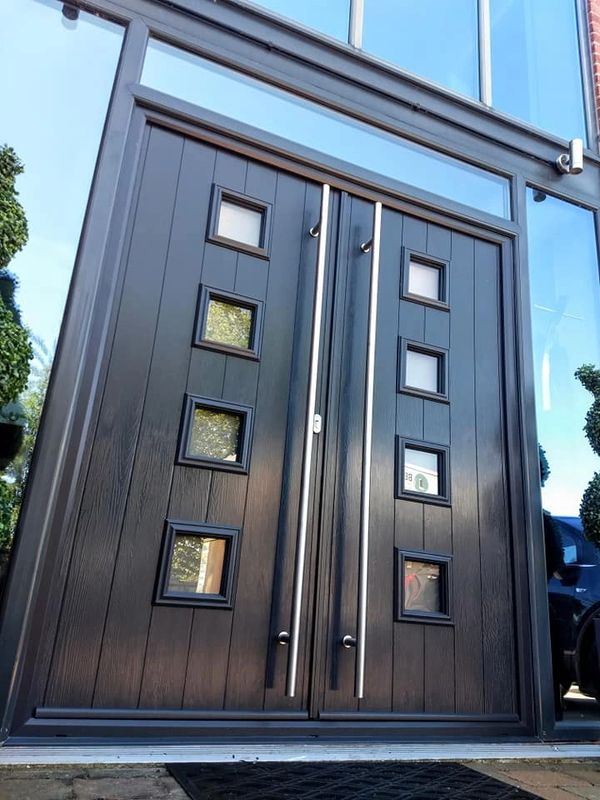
point(365, 492)
point(309, 434)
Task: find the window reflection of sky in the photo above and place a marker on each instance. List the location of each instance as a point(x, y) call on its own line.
point(58, 79)
point(535, 62)
point(438, 40)
point(229, 93)
point(331, 17)
point(565, 298)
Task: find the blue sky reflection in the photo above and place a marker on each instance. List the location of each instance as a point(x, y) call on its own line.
point(58, 76)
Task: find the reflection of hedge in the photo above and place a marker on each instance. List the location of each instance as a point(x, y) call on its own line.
point(13, 224)
point(15, 350)
point(590, 502)
point(15, 354)
point(8, 504)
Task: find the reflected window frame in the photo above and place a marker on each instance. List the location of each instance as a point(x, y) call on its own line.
point(225, 598)
point(206, 295)
point(222, 194)
point(440, 353)
point(246, 414)
point(402, 614)
point(443, 455)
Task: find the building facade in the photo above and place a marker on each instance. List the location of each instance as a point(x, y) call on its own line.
point(312, 456)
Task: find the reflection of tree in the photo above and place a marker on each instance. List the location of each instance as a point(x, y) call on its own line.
point(13, 483)
point(15, 349)
point(228, 324)
point(590, 502)
point(215, 434)
point(197, 564)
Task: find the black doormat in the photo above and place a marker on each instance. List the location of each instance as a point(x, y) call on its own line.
point(326, 780)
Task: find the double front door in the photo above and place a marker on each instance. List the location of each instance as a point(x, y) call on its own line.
point(298, 501)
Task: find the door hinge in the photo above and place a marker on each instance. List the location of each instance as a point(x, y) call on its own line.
point(317, 423)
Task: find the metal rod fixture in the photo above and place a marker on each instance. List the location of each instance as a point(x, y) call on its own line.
point(357, 13)
point(294, 640)
point(315, 230)
point(365, 492)
point(485, 52)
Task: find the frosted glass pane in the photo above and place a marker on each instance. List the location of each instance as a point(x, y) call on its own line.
point(424, 280)
point(422, 371)
point(421, 471)
point(240, 223)
point(422, 587)
point(228, 324)
point(197, 564)
point(215, 434)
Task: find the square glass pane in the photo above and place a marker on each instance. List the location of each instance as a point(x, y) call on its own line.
point(421, 471)
point(422, 371)
point(215, 434)
point(423, 586)
point(197, 564)
point(240, 223)
point(228, 324)
point(424, 280)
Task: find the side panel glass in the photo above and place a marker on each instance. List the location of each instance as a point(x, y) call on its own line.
point(536, 64)
point(53, 111)
point(331, 17)
point(565, 311)
point(433, 38)
point(224, 91)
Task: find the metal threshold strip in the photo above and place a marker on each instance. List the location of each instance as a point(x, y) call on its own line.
point(180, 753)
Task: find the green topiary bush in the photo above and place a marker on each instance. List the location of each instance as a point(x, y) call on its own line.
point(590, 502)
point(15, 349)
point(15, 355)
point(13, 223)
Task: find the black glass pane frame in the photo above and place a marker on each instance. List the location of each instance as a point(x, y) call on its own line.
point(443, 455)
point(225, 598)
point(442, 356)
point(246, 414)
point(220, 194)
point(444, 561)
point(426, 260)
point(208, 293)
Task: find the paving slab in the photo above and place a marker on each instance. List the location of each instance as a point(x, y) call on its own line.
point(550, 780)
point(127, 789)
point(35, 789)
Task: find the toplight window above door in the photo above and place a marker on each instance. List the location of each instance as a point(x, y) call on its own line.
point(225, 91)
point(518, 56)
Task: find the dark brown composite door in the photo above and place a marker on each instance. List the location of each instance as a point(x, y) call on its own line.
point(180, 586)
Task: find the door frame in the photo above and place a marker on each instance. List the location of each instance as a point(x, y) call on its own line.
point(48, 518)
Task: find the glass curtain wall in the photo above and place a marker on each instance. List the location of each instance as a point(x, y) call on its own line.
point(222, 90)
point(535, 54)
point(565, 312)
point(536, 64)
point(58, 67)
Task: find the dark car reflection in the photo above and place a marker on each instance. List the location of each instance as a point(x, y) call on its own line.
point(573, 566)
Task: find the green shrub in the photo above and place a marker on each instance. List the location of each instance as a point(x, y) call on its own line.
point(15, 355)
point(590, 502)
point(13, 223)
